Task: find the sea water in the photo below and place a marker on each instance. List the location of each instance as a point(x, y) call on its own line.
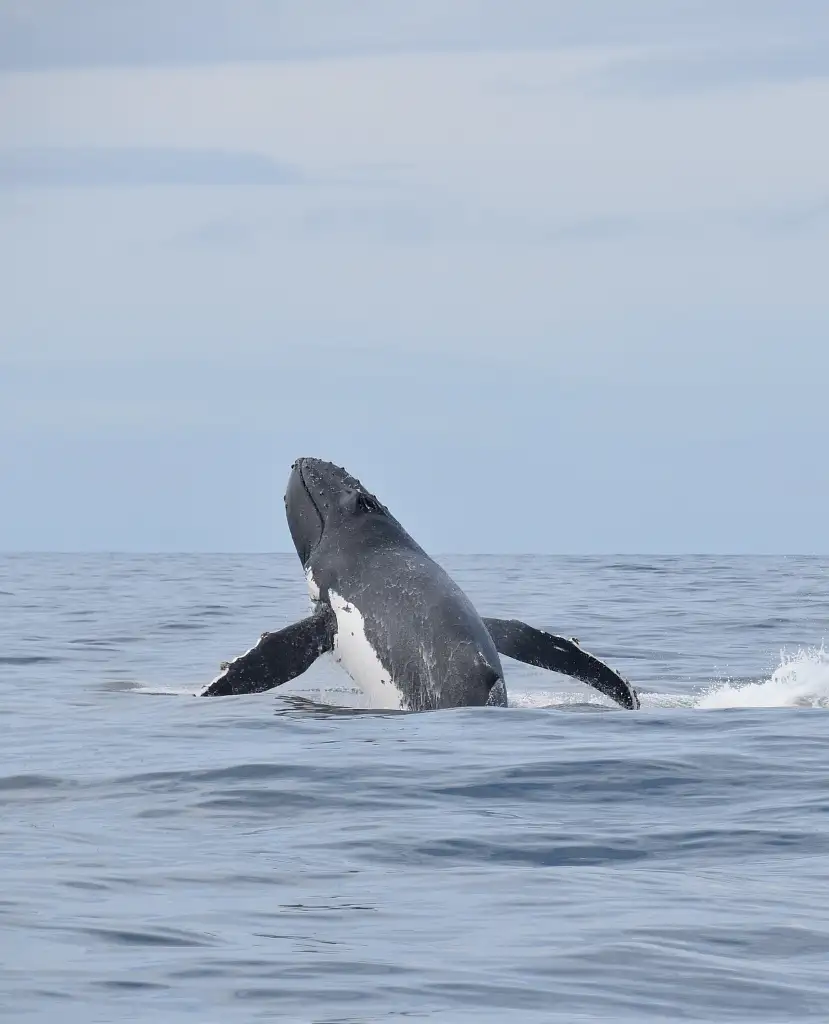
point(295, 856)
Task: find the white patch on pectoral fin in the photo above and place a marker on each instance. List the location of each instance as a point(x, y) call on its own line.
point(313, 589)
point(224, 668)
point(353, 651)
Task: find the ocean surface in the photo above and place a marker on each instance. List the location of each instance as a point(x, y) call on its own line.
point(293, 856)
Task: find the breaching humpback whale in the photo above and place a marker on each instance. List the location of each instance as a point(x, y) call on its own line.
point(398, 624)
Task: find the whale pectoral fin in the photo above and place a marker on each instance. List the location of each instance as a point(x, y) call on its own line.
point(516, 639)
point(277, 658)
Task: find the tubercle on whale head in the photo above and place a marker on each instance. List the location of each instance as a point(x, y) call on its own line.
point(318, 492)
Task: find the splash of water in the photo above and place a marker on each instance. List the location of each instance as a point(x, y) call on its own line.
point(558, 699)
point(801, 680)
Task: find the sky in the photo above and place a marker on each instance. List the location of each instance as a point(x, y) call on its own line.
point(548, 277)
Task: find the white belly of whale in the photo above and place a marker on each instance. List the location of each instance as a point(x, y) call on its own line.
point(356, 655)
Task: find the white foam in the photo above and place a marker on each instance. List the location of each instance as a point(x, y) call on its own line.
point(801, 680)
point(555, 699)
point(168, 691)
point(588, 696)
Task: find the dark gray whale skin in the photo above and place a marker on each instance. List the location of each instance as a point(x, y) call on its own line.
point(393, 617)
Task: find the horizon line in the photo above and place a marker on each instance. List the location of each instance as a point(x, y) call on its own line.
point(440, 554)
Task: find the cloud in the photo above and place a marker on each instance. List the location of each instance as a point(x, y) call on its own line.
point(451, 137)
point(91, 167)
point(223, 233)
point(677, 70)
point(799, 217)
point(419, 222)
point(52, 33)
point(467, 215)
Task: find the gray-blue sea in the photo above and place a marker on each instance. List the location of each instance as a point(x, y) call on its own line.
point(293, 856)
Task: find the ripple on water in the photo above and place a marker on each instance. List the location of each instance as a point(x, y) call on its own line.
point(29, 659)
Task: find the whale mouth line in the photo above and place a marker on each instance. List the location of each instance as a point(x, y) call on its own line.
point(311, 497)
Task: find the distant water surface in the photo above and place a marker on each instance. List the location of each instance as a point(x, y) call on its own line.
point(288, 856)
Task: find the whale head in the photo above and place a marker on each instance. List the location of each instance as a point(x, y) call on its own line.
point(318, 494)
